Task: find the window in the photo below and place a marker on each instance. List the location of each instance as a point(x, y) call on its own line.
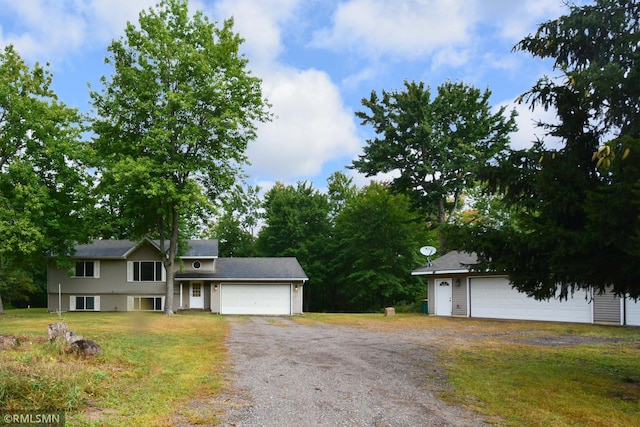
point(146, 303)
point(87, 269)
point(196, 291)
point(85, 303)
point(196, 265)
point(145, 271)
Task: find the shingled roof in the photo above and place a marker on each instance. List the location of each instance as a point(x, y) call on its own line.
point(238, 269)
point(120, 249)
point(451, 262)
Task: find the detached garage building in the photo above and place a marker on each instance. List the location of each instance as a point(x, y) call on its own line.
point(456, 291)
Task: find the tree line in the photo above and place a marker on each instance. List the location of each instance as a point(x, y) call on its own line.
point(162, 152)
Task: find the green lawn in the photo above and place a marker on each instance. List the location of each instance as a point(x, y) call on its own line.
point(154, 370)
point(163, 371)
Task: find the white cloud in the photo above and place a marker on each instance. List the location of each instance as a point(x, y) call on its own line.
point(47, 30)
point(528, 129)
point(311, 126)
point(259, 22)
point(405, 29)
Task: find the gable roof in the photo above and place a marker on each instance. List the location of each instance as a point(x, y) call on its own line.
point(121, 249)
point(202, 249)
point(451, 262)
point(239, 269)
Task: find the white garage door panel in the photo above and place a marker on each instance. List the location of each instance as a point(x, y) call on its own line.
point(633, 312)
point(255, 299)
point(495, 298)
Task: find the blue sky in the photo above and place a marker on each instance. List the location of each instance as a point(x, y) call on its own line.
point(317, 60)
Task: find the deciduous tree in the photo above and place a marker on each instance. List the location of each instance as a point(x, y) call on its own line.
point(377, 239)
point(236, 225)
point(436, 144)
point(297, 224)
point(43, 184)
point(173, 122)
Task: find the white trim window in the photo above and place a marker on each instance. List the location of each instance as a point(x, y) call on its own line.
point(84, 303)
point(145, 271)
point(87, 269)
point(145, 303)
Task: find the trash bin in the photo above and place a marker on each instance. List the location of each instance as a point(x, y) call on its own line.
point(425, 306)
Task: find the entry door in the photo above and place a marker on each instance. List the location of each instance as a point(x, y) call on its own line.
point(197, 295)
point(444, 307)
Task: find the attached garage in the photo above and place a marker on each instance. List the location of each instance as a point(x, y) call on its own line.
point(257, 286)
point(262, 299)
point(493, 297)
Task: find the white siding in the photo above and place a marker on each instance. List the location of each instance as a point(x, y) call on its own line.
point(493, 297)
point(632, 312)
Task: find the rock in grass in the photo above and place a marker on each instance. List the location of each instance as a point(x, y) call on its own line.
point(57, 330)
point(84, 348)
point(8, 342)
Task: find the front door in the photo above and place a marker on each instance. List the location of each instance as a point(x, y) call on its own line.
point(196, 297)
point(444, 307)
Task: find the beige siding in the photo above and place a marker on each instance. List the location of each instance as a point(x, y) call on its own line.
point(459, 296)
point(215, 297)
point(206, 265)
point(145, 252)
point(108, 302)
point(431, 294)
point(112, 285)
point(296, 307)
point(606, 309)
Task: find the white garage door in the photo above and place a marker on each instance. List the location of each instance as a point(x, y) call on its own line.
point(633, 312)
point(255, 299)
point(495, 298)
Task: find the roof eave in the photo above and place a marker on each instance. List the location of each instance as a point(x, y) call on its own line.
point(424, 273)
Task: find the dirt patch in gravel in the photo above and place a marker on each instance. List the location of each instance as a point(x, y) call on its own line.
point(286, 373)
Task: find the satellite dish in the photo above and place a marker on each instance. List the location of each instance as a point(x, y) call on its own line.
point(427, 250)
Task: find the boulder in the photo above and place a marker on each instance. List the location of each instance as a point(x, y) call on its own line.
point(8, 342)
point(71, 337)
point(389, 311)
point(57, 330)
point(83, 348)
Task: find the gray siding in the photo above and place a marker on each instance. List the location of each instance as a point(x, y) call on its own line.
point(606, 309)
point(215, 297)
point(111, 286)
point(431, 294)
point(459, 296)
point(206, 266)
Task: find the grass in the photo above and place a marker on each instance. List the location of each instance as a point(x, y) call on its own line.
point(526, 373)
point(152, 366)
point(162, 371)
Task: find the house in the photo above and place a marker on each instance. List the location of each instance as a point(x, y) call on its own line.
point(123, 275)
point(454, 290)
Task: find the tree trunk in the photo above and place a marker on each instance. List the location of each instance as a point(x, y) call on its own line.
point(170, 261)
point(168, 300)
point(442, 213)
point(1, 306)
point(442, 218)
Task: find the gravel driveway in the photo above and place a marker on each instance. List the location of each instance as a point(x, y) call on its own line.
point(288, 374)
